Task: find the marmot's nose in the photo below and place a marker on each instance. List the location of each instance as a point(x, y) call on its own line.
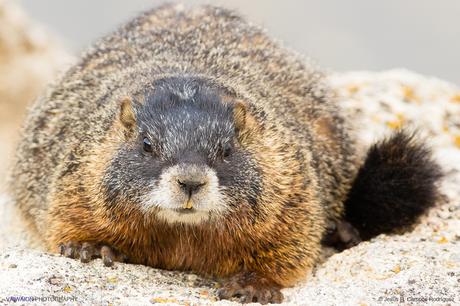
point(190, 187)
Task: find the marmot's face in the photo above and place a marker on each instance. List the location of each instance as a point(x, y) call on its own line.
point(185, 163)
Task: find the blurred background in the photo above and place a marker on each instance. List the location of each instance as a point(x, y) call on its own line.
point(39, 38)
point(421, 35)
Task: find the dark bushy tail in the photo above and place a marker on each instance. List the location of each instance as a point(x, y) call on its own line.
point(395, 185)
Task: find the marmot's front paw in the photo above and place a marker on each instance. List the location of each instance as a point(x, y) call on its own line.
point(251, 288)
point(90, 250)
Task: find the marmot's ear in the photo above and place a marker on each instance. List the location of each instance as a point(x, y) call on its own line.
point(127, 115)
point(242, 118)
point(240, 114)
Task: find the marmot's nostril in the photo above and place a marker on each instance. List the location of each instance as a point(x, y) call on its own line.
point(190, 187)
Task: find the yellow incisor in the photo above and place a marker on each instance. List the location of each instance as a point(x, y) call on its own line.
point(188, 204)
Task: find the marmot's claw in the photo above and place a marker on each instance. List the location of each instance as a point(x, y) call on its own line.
point(251, 289)
point(70, 249)
point(85, 251)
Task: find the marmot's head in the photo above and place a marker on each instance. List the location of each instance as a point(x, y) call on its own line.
point(183, 156)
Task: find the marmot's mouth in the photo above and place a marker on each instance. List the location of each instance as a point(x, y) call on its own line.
point(185, 211)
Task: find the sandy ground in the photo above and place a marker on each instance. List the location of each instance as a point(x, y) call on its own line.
point(418, 268)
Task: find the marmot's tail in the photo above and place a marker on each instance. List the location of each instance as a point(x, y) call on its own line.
point(395, 185)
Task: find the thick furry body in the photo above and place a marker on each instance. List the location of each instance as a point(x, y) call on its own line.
point(300, 160)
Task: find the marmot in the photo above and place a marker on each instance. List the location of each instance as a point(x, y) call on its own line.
point(190, 140)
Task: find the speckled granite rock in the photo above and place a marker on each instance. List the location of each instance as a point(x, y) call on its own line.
point(418, 268)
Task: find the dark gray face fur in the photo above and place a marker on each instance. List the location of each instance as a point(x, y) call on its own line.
point(186, 164)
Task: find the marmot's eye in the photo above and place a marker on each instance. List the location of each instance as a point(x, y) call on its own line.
point(147, 145)
point(227, 150)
